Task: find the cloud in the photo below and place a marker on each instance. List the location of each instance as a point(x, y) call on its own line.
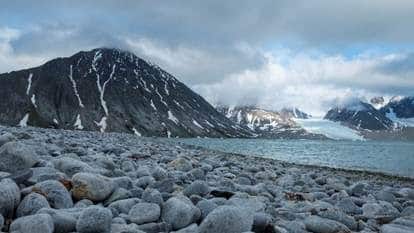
point(272, 53)
point(311, 83)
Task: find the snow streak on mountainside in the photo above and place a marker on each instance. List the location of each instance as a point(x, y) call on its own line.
point(269, 124)
point(109, 90)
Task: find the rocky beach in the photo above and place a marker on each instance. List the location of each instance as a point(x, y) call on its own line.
point(75, 181)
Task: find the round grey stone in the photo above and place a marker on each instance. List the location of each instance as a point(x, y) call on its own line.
point(152, 196)
point(144, 213)
point(9, 197)
point(322, 225)
point(198, 187)
point(39, 223)
point(179, 212)
point(91, 186)
point(56, 194)
point(94, 219)
point(31, 204)
point(16, 156)
point(227, 219)
point(71, 166)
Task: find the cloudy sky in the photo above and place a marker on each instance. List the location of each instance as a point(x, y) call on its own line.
point(307, 54)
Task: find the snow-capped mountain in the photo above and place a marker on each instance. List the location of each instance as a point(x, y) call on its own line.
point(359, 115)
point(400, 110)
point(268, 124)
point(294, 113)
point(109, 90)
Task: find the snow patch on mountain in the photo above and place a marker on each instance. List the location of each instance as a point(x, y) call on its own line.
point(75, 89)
point(29, 83)
point(24, 120)
point(172, 117)
point(78, 123)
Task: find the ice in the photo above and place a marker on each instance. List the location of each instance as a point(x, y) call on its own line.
point(136, 132)
point(197, 124)
point(172, 117)
point(75, 89)
point(407, 122)
point(23, 122)
point(29, 83)
point(33, 99)
point(78, 123)
point(328, 128)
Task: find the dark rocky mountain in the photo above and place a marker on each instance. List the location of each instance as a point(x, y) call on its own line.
point(269, 124)
point(401, 107)
point(360, 115)
point(294, 113)
point(108, 90)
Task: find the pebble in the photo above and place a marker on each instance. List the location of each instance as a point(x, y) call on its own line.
point(179, 212)
point(31, 204)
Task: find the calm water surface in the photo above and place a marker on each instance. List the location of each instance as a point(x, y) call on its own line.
point(388, 157)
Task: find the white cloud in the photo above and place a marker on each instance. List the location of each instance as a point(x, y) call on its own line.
point(312, 83)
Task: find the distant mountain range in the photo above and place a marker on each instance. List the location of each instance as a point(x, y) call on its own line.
point(111, 90)
point(270, 124)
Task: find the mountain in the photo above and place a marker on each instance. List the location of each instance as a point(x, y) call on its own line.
point(108, 90)
point(268, 124)
point(400, 110)
point(359, 115)
point(294, 113)
point(377, 102)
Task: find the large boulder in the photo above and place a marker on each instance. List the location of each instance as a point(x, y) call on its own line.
point(227, 219)
point(91, 186)
point(31, 204)
point(180, 212)
point(16, 156)
point(39, 223)
point(94, 219)
point(56, 194)
point(323, 225)
point(64, 220)
point(71, 166)
point(144, 213)
point(9, 197)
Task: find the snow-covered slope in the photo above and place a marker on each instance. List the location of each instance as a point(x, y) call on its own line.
point(359, 115)
point(109, 90)
point(400, 110)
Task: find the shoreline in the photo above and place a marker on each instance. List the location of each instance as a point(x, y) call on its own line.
point(89, 176)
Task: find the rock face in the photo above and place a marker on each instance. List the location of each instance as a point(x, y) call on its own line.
point(267, 123)
point(108, 90)
point(360, 115)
